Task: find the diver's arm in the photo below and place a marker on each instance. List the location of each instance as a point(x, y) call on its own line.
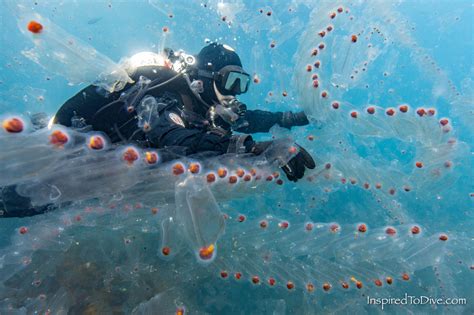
point(172, 131)
point(262, 121)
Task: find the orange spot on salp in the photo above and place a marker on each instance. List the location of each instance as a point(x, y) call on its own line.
point(335, 228)
point(310, 137)
point(354, 38)
point(35, 27)
point(194, 168)
point(309, 287)
point(238, 275)
point(354, 114)
point(378, 185)
point(283, 225)
point(431, 111)
point(315, 83)
point(154, 211)
point(392, 191)
point(23, 230)
point(321, 46)
point(309, 226)
point(277, 174)
point(326, 286)
point(96, 143)
point(166, 250)
point(335, 105)
point(240, 172)
point(324, 94)
point(211, 177)
point(224, 274)
point(390, 112)
point(13, 125)
point(371, 110)
point(419, 164)
point(314, 52)
point(178, 169)
point(405, 276)
point(332, 15)
point(378, 282)
point(255, 280)
point(271, 282)
point(366, 185)
point(269, 13)
point(207, 252)
point(279, 182)
point(353, 181)
point(443, 237)
point(403, 108)
point(180, 311)
point(256, 79)
point(390, 231)
point(362, 228)
point(253, 171)
point(420, 112)
point(285, 94)
point(389, 280)
point(314, 76)
point(269, 178)
point(345, 285)
point(340, 9)
point(322, 33)
point(272, 44)
point(444, 121)
point(415, 230)
point(309, 68)
point(58, 138)
point(247, 177)
point(165, 29)
point(233, 179)
point(317, 64)
point(359, 284)
point(130, 155)
point(329, 28)
point(222, 172)
point(406, 188)
point(290, 285)
point(448, 164)
point(241, 218)
point(263, 224)
point(151, 157)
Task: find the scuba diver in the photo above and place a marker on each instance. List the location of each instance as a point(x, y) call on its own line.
point(178, 102)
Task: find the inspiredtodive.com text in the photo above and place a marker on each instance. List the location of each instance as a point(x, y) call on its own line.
point(415, 300)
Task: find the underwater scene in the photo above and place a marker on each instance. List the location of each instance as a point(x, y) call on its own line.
point(236, 157)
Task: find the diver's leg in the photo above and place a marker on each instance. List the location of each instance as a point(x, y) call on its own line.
point(12, 205)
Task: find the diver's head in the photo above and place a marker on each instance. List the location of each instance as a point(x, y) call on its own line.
point(220, 69)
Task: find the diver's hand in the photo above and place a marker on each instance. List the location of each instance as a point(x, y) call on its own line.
point(296, 167)
point(290, 119)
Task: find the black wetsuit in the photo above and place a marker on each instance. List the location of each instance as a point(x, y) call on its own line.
point(183, 122)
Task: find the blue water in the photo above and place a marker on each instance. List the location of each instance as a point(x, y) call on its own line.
point(417, 53)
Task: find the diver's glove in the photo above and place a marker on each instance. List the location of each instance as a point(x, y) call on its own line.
point(290, 119)
point(296, 167)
